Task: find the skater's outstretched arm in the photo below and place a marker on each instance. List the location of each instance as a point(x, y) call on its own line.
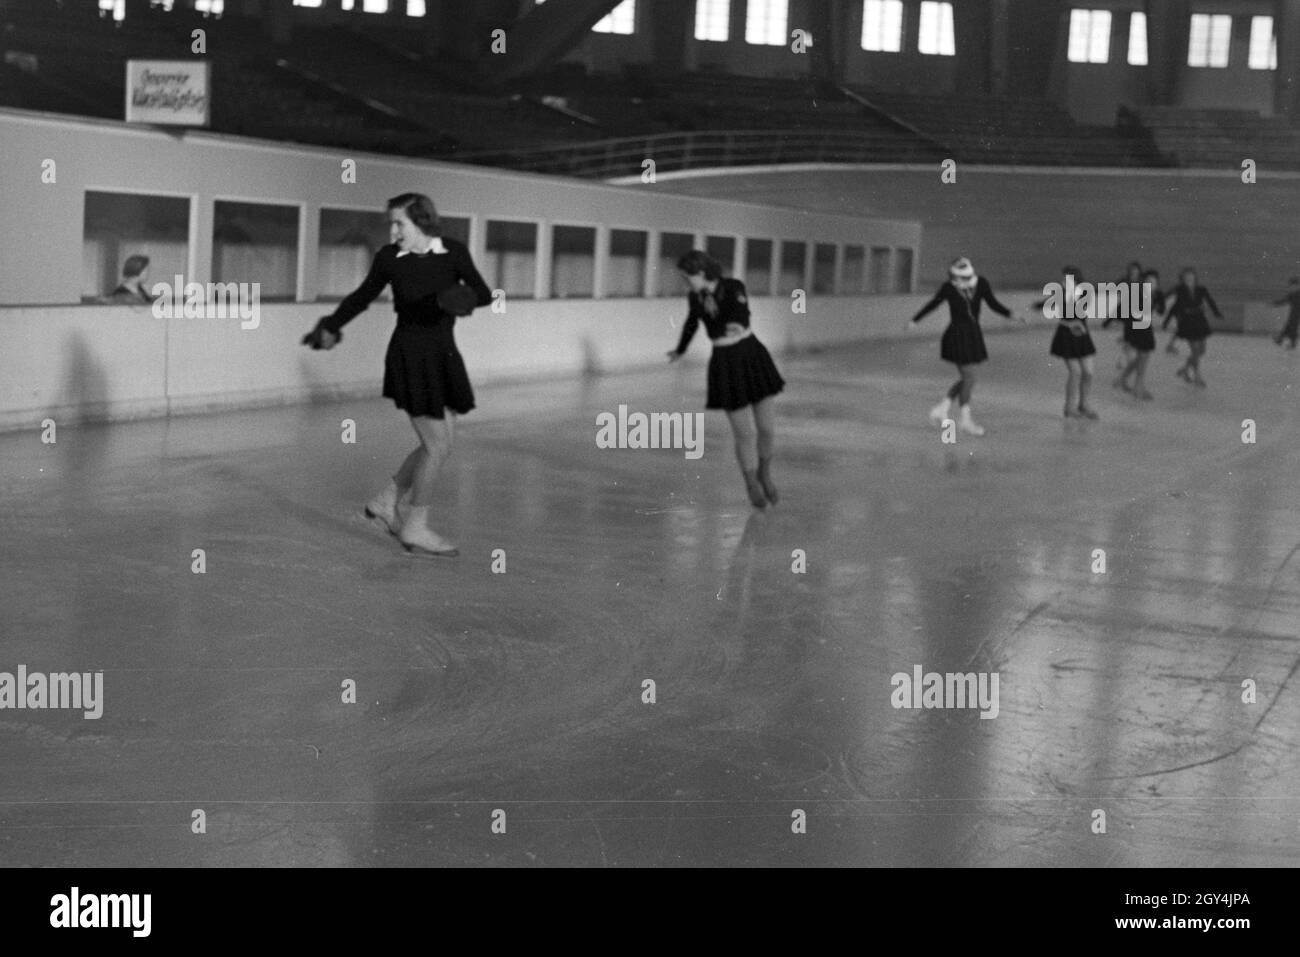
point(930, 306)
point(688, 331)
point(1175, 306)
point(359, 299)
point(986, 291)
point(1214, 307)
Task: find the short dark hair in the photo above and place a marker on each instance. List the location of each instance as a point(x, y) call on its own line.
point(134, 265)
point(420, 210)
point(697, 261)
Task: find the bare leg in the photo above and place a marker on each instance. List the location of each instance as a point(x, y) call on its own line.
point(967, 383)
point(435, 445)
point(405, 475)
point(1085, 383)
point(1072, 372)
point(765, 420)
point(1140, 375)
point(744, 432)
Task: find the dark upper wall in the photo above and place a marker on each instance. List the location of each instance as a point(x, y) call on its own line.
point(1012, 46)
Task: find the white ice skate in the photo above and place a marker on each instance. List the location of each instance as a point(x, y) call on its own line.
point(941, 411)
point(384, 508)
point(420, 540)
point(967, 424)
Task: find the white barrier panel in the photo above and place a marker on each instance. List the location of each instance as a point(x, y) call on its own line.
point(120, 362)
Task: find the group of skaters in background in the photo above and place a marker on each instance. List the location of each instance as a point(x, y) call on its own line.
point(1185, 305)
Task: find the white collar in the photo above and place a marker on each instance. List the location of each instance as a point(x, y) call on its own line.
point(435, 246)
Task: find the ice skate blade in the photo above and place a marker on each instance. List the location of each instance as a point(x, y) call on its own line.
point(415, 551)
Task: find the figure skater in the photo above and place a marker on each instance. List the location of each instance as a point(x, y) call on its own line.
point(742, 378)
point(1188, 308)
point(1073, 343)
point(963, 342)
point(424, 374)
point(1132, 277)
point(1292, 328)
point(1142, 341)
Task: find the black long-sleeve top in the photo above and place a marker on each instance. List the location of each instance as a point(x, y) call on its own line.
point(416, 278)
point(733, 307)
point(1190, 302)
point(961, 309)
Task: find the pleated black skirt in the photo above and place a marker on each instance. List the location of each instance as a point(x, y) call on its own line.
point(741, 374)
point(1193, 326)
point(1066, 345)
point(1143, 340)
point(424, 374)
point(963, 344)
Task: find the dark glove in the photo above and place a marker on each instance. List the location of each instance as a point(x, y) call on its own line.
point(458, 300)
point(316, 338)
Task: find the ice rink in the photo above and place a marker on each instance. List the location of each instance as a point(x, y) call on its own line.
point(522, 691)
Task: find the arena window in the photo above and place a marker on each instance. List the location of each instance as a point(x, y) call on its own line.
point(902, 271)
point(758, 266)
point(116, 9)
point(308, 3)
point(210, 8)
point(765, 22)
point(256, 242)
point(349, 239)
point(882, 26)
point(1089, 36)
point(794, 264)
point(573, 262)
point(713, 20)
point(855, 274)
point(672, 247)
point(936, 33)
point(457, 227)
point(878, 276)
point(1209, 40)
point(117, 226)
point(1263, 44)
point(823, 283)
point(625, 269)
point(622, 19)
point(723, 249)
point(510, 260)
point(1137, 39)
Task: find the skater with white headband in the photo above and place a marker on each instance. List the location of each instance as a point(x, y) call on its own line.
point(963, 342)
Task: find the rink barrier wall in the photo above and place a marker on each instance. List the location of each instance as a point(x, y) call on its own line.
point(112, 363)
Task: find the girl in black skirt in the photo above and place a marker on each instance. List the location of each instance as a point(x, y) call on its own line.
point(1073, 344)
point(963, 342)
point(424, 374)
point(741, 372)
point(1142, 341)
point(1188, 308)
point(1132, 276)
